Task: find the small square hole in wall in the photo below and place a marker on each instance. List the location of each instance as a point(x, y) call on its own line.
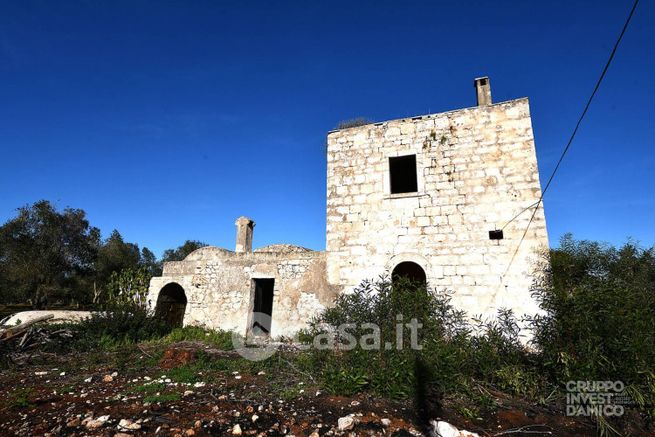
point(496, 234)
point(402, 174)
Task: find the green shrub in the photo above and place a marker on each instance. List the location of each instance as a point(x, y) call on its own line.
point(220, 339)
point(353, 122)
point(599, 321)
point(116, 325)
point(391, 370)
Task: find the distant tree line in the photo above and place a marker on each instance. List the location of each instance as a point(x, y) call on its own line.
point(50, 257)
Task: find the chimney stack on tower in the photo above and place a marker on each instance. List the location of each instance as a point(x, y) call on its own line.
point(483, 90)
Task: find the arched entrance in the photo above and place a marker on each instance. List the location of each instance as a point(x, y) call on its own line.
point(171, 305)
point(410, 271)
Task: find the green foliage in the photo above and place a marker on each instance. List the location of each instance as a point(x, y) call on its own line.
point(129, 286)
point(391, 370)
point(121, 268)
point(182, 251)
point(46, 255)
point(185, 374)
point(162, 398)
point(20, 398)
point(49, 257)
point(150, 388)
point(354, 122)
point(118, 324)
point(598, 324)
point(115, 255)
point(599, 321)
point(219, 339)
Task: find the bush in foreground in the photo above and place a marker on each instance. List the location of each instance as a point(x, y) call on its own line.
point(118, 324)
point(449, 359)
point(599, 323)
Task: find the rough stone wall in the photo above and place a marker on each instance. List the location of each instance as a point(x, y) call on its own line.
point(476, 169)
point(218, 284)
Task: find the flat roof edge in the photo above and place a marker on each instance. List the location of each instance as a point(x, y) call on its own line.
point(434, 114)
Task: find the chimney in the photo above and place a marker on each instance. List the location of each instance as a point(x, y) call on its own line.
point(244, 234)
point(483, 90)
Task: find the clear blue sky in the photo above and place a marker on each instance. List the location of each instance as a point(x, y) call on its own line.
point(168, 120)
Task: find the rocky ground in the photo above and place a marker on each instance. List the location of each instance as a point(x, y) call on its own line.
point(146, 390)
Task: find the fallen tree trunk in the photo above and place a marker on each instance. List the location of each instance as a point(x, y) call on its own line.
point(9, 333)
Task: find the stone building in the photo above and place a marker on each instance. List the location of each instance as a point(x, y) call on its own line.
point(433, 197)
point(230, 290)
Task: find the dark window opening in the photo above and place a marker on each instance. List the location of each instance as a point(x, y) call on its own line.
point(262, 307)
point(410, 271)
point(171, 305)
point(402, 173)
point(496, 234)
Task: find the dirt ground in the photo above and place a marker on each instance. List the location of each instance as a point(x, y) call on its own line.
point(141, 392)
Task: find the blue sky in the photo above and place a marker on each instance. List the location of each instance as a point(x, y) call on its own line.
point(168, 120)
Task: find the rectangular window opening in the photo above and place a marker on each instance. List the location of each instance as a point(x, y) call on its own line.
point(496, 234)
point(402, 174)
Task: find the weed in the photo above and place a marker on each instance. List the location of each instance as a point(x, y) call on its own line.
point(219, 339)
point(354, 122)
point(185, 374)
point(20, 398)
point(162, 398)
point(148, 389)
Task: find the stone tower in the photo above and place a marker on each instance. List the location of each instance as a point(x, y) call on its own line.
point(431, 197)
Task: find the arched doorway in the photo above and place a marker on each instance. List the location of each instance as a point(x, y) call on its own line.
point(410, 271)
point(171, 305)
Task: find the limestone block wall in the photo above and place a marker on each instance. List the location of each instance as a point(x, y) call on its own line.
point(476, 169)
point(218, 284)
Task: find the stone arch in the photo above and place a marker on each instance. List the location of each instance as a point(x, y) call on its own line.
point(409, 270)
point(171, 304)
point(412, 258)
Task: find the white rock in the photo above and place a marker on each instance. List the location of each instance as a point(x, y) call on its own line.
point(236, 430)
point(445, 429)
point(346, 423)
point(188, 393)
point(255, 417)
point(128, 424)
point(385, 422)
point(97, 423)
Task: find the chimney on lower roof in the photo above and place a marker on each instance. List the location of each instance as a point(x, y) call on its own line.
point(245, 228)
point(483, 90)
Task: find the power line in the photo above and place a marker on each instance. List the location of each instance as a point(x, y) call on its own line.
point(568, 145)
